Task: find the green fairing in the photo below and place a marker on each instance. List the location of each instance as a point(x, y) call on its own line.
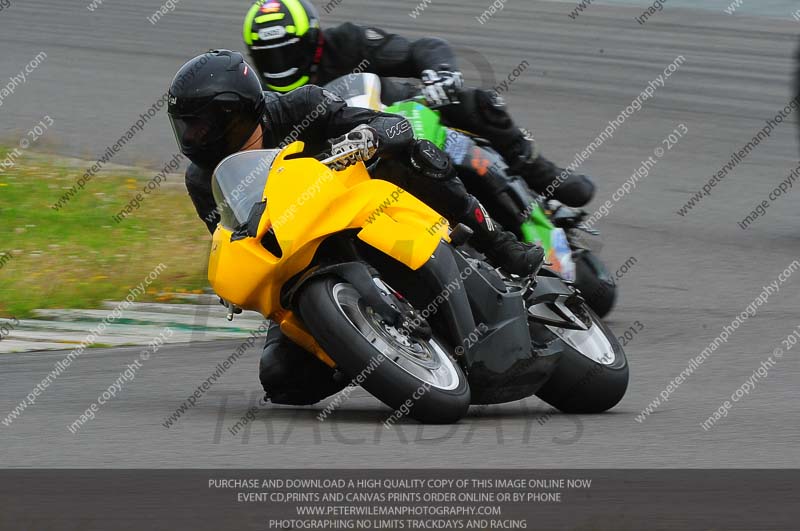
point(427, 125)
point(537, 228)
point(426, 122)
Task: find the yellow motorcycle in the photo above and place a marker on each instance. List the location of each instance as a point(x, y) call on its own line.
point(371, 281)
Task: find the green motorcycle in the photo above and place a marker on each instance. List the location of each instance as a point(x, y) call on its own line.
point(558, 229)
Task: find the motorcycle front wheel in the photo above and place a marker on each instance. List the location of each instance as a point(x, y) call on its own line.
point(410, 375)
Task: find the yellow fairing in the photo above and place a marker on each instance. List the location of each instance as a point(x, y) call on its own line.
point(306, 203)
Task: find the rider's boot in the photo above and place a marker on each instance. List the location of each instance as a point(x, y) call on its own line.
point(543, 176)
point(502, 249)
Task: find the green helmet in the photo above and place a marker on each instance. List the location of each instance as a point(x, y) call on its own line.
point(284, 41)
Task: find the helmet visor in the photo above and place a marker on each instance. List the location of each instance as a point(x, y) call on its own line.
point(192, 132)
point(210, 125)
point(282, 61)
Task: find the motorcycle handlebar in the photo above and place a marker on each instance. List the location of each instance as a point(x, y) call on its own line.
point(341, 157)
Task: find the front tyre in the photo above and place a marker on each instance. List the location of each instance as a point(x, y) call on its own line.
point(405, 373)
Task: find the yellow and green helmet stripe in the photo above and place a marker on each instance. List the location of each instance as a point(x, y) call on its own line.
point(301, 22)
point(288, 88)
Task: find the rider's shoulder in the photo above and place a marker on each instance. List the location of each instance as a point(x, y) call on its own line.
point(373, 35)
point(306, 92)
point(314, 93)
point(366, 33)
point(270, 96)
point(197, 177)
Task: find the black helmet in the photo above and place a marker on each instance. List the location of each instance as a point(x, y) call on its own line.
point(215, 104)
point(284, 40)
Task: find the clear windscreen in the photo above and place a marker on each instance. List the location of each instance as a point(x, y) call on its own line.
point(358, 90)
point(238, 184)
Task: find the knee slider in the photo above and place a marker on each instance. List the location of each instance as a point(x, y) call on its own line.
point(431, 162)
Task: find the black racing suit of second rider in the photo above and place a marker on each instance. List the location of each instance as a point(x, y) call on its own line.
point(350, 48)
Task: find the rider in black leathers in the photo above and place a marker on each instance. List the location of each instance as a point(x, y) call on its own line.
point(217, 108)
point(290, 50)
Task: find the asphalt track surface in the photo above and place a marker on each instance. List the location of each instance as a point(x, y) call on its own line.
point(694, 273)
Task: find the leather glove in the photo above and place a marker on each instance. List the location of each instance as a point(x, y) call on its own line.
point(361, 141)
point(441, 88)
point(503, 249)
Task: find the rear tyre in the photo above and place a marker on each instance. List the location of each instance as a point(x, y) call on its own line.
point(595, 283)
point(406, 374)
point(592, 373)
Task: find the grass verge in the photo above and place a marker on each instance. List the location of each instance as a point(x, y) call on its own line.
point(78, 256)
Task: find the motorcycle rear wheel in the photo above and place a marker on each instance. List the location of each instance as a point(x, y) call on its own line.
point(405, 373)
point(592, 374)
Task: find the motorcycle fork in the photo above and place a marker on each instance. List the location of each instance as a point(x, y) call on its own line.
point(435, 290)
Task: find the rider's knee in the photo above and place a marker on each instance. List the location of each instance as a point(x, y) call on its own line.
point(577, 190)
point(292, 376)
